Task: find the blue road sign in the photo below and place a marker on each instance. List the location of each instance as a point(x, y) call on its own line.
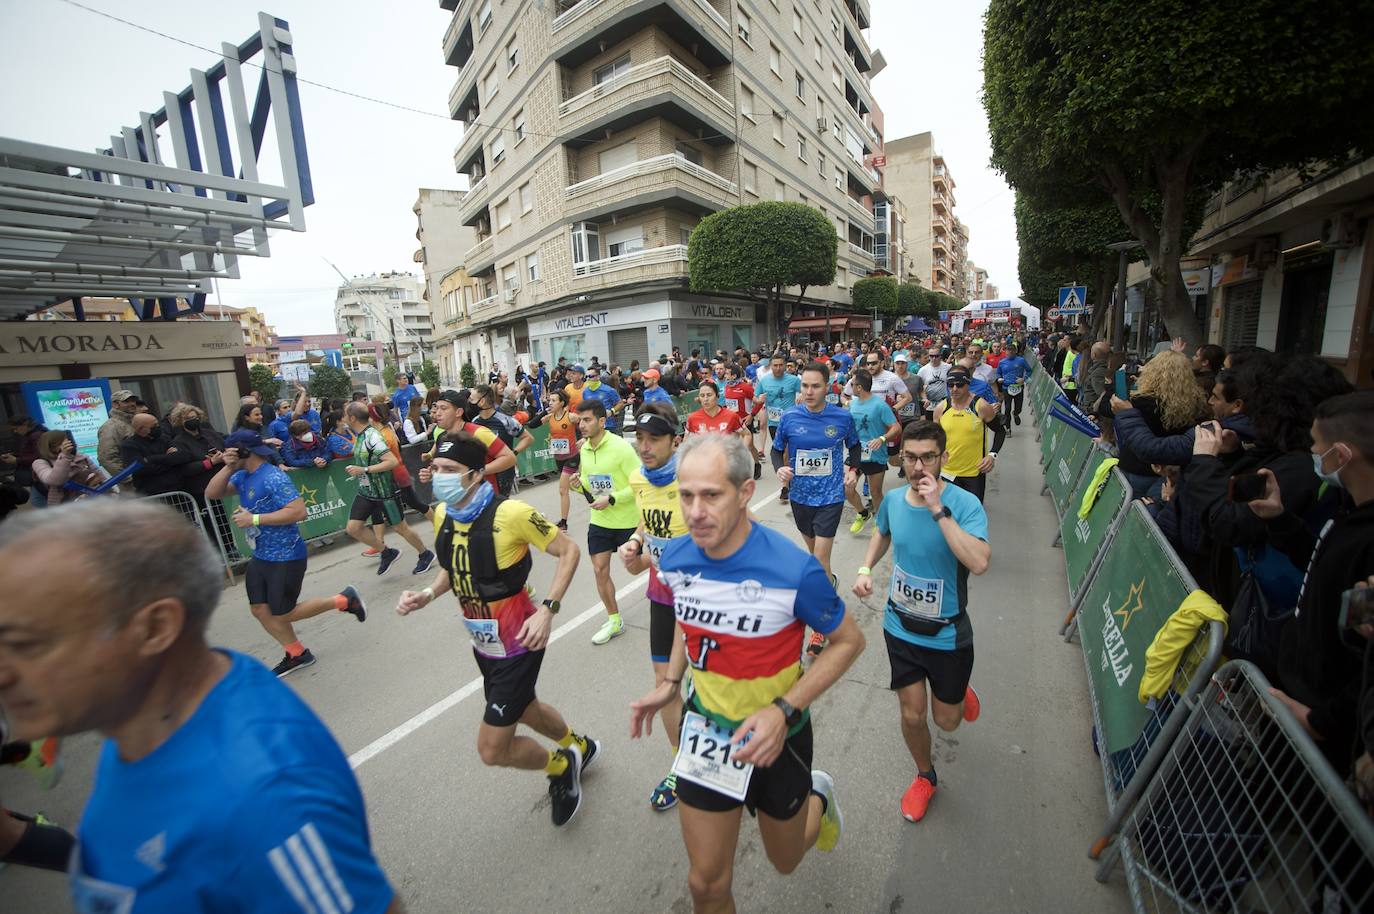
point(1073, 299)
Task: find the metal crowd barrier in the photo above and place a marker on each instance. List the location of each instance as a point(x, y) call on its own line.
point(204, 515)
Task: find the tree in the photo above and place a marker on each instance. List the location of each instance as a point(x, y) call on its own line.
point(467, 375)
point(329, 383)
point(763, 249)
point(429, 374)
point(1063, 234)
point(1158, 104)
point(389, 373)
point(877, 293)
point(263, 381)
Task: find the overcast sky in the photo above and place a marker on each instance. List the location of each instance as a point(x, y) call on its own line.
point(72, 78)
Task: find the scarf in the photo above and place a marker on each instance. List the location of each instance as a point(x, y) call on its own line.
point(475, 506)
point(663, 475)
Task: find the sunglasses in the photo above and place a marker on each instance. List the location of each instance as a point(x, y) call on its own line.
point(958, 383)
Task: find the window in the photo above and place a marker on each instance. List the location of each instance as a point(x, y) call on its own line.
point(498, 149)
point(745, 26)
point(518, 123)
point(836, 128)
point(801, 147)
point(835, 24)
point(746, 101)
point(687, 152)
point(512, 56)
point(625, 241)
point(749, 175)
point(802, 198)
point(836, 78)
point(777, 127)
point(484, 17)
point(796, 22)
point(820, 165)
point(503, 215)
point(818, 50)
point(618, 157)
point(526, 198)
point(839, 178)
point(611, 70)
point(779, 190)
point(801, 86)
point(532, 267)
point(684, 234)
point(775, 60)
point(586, 242)
point(490, 85)
point(508, 278)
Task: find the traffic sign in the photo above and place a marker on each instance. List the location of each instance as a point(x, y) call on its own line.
point(1073, 299)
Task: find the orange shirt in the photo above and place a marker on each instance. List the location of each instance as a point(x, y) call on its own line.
point(574, 396)
point(562, 435)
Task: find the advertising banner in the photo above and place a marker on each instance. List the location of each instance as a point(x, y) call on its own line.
point(1082, 538)
point(79, 407)
point(1071, 452)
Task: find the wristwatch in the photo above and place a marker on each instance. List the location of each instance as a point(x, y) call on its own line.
point(944, 512)
point(553, 606)
point(790, 715)
point(992, 454)
point(611, 499)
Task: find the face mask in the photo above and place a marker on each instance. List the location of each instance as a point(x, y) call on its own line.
point(1333, 477)
point(308, 438)
point(191, 425)
point(449, 488)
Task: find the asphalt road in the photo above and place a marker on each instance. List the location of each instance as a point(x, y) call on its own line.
point(1020, 795)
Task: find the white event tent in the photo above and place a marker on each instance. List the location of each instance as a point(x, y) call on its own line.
point(1029, 313)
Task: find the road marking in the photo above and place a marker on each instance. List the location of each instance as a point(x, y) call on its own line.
point(387, 740)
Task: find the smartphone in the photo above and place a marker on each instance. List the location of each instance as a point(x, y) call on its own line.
point(1245, 487)
point(1123, 389)
point(1357, 607)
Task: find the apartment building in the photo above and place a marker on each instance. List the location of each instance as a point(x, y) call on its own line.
point(937, 242)
point(389, 308)
point(600, 132)
point(444, 240)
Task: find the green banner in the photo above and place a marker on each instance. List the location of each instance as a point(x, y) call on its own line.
point(1136, 588)
point(1082, 538)
point(1070, 453)
point(1052, 431)
point(328, 493)
point(537, 459)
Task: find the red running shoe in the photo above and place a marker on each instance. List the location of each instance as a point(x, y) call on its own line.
point(972, 706)
point(917, 799)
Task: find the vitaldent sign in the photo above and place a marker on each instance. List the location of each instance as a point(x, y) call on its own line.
point(48, 342)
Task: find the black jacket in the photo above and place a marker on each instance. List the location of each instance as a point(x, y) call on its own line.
point(1147, 409)
point(160, 470)
point(193, 451)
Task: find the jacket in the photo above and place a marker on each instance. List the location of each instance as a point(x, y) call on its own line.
point(1163, 655)
point(112, 433)
point(1148, 409)
point(296, 453)
point(194, 453)
point(160, 470)
point(1145, 444)
point(54, 475)
point(1094, 381)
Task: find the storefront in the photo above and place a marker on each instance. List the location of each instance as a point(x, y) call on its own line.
point(644, 328)
point(163, 362)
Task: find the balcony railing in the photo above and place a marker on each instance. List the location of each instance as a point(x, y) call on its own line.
point(672, 161)
point(860, 251)
point(480, 251)
point(859, 209)
point(474, 201)
point(645, 257)
point(579, 10)
point(455, 31)
point(662, 66)
point(483, 304)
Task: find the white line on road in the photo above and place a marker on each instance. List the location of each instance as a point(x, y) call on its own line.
point(387, 740)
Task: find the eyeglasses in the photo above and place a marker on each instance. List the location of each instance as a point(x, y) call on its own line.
point(958, 383)
point(923, 459)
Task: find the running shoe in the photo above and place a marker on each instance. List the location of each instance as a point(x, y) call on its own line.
point(388, 556)
point(972, 706)
point(290, 664)
point(44, 762)
point(590, 749)
point(565, 790)
point(422, 564)
point(370, 553)
point(782, 496)
point(816, 644)
point(859, 520)
point(758, 474)
point(832, 820)
point(917, 799)
point(612, 628)
point(355, 602)
point(1016, 418)
point(664, 796)
point(562, 525)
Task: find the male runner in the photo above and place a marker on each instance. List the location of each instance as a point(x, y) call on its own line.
point(780, 390)
point(966, 419)
point(940, 534)
point(979, 368)
point(605, 464)
point(660, 519)
point(886, 384)
point(711, 417)
point(1012, 372)
point(911, 410)
point(576, 385)
point(876, 424)
point(562, 426)
point(607, 396)
point(933, 375)
point(377, 500)
point(816, 451)
point(484, 541)
point(513, 434)
point(739, 398)
point(743, 596)
point(268, 512)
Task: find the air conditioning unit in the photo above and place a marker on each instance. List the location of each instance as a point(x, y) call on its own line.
point(1340, 232)
point(822, 125)
point(509, 295)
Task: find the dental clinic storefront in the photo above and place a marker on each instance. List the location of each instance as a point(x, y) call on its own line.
point(643, 328)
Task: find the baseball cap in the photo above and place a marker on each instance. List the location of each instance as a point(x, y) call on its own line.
point(250, 441)
point(654, 424)
point(652, 373)
point(119, 396)
point(901, 357)
point(577, 367)
point(457, 398)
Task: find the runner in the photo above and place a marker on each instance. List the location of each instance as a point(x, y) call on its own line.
point(512, 433)
point(816, 451)
point(563, 445)
point(933, 375)
point(268, 512)
point(711, 417)
point(940, 534)
point(886, 384)
point(576, 385)
point(484, 542)
point(781, 390)
point(603, 475)
point(607, 396)
point(876, 424)
point(739, 398)
point(660, 519)
point(377, 501)
point(1012, 372)
point(746, 733)
point(966, 419)
point(910, 411)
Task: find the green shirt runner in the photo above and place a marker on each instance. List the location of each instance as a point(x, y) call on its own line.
point(369, 449)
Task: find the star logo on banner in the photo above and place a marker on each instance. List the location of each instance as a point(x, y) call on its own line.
point(311, 496)
point(1133, 604)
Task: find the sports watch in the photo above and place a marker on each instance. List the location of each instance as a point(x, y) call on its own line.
point(553, 606)
point(944, 512)
point(790, 715)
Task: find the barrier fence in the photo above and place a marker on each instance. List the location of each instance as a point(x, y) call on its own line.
point(1217, 799)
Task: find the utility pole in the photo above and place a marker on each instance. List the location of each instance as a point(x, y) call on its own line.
point(395, 353)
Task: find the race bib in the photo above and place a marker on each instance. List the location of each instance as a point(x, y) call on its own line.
point(774, 414)
point(915, 596)
point(601, 484)
point(832, 398)
point(95, 896)
point(250, 535)
point(908, 409)
point(813, 461)
point(732, 404)
point(1014, 389)
point(704, 757)
point(486, 637)
point(562, 447)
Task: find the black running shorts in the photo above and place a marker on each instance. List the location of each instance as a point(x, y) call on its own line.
point(606, 539)
point(778, 791)
point(276, 584)
point(948, 671)
point(508, 685)
point(377, 510)
point(662, 624)
point(976, 484)
point(871, 469)
point(820, 521)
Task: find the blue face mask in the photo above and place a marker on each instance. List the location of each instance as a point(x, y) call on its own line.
point(1332, 478)
point(449, 488)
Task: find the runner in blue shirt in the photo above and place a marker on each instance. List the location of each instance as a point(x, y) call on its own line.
point(876, 425)
point(939, 533)
point(816, 452)
point(268, 512)
point(1012, 373)
point(777, 391)
point(595, 390)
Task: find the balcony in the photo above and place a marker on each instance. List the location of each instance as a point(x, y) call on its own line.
point(458, 43)
point(860, 252)
point(480, 255)
point(449, 4)
point(861, 212)
point(647, 183)
point(474, 203)
point(662, 86)
point(484, 308)
point(668, 262)
point(581, 31)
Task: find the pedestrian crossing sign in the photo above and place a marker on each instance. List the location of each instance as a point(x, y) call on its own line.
point(1072, 299)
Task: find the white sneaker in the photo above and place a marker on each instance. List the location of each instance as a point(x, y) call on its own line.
point(613, 628)
point(832, 822)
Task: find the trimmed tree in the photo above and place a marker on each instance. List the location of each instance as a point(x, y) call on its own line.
point(763, 249)
point(429, 374)
point(264, 382)
point(1158, 104)
point(877, 293)
point(329, 383)
point(467, 375)
point(389, 373)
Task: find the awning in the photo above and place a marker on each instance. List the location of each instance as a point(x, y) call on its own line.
point(839, 322)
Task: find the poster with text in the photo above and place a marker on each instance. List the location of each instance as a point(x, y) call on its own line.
point(79, 407)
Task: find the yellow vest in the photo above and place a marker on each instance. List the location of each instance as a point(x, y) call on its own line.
point(965, 438)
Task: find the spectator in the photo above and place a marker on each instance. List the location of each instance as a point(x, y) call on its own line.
point(405, 392)
point(26, 437)
point(1207, 361)
point(250, 417)
point(200, 447)
point(115, 429)
point(58, 462)
point(159, 472)
point(341, 438)
point(1169, 403)
point(303, 448)
point(416, 425)
point(1095, 376)
point(279, 427)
